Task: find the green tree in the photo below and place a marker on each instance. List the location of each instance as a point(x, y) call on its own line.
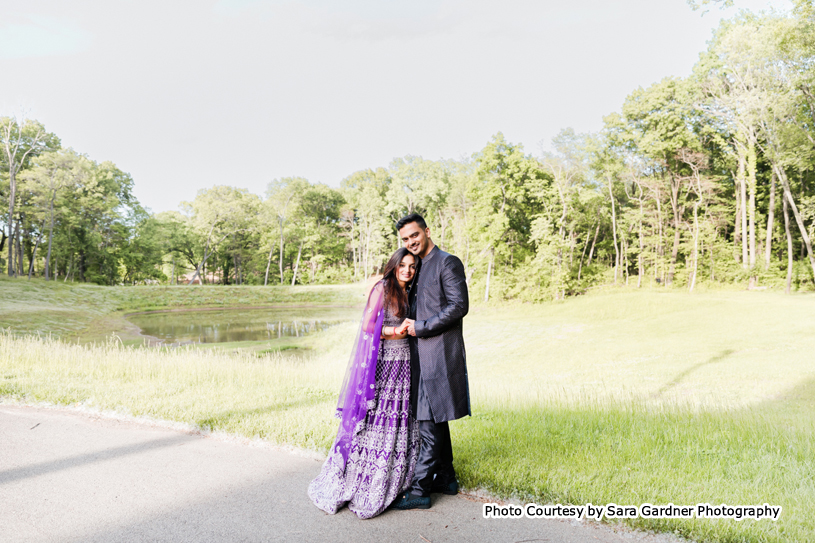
point(370, 231)
point(282, 199)
point(320, 207)
point(52, 173)
point(216, 214)
point(507, 196)
point(180, 242)
point(657, 123)
point(21, 140)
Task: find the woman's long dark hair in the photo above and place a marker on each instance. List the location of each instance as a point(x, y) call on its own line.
point(396, 299)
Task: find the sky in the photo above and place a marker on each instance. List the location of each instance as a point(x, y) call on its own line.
point(188, 94)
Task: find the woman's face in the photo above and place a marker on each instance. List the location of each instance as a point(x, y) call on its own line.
point(406, 270)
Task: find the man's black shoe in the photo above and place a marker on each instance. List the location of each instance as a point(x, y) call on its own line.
point(451, 488)
point(411, 501)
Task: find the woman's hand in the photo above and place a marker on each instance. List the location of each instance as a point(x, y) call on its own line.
point(402, 328)
point(396, 332)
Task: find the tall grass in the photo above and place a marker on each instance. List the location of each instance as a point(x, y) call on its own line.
point(283, 399)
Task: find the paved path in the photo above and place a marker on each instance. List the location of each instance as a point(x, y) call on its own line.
point(68, 476)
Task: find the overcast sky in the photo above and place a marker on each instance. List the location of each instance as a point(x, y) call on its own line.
point(185, 95)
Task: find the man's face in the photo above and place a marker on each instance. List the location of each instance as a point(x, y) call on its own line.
point(414, 238)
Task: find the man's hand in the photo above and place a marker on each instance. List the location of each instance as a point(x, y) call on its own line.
point(411, 329)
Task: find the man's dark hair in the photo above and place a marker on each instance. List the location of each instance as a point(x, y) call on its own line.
point(407, 219)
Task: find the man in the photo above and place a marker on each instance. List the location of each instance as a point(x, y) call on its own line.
point(439, 388)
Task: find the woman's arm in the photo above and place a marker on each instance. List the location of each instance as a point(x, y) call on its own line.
point(370, 315)
point(392, 332)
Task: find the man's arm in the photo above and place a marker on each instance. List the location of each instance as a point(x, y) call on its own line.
point(458, 302)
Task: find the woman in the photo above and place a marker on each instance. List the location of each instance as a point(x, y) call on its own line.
point(374, 455)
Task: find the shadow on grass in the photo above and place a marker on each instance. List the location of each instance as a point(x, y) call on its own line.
point(683, 374)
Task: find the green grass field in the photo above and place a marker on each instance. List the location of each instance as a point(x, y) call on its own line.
point(625, 397)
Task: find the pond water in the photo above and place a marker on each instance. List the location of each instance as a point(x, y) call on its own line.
point(227, 325)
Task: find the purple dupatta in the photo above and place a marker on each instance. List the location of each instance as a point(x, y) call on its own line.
point(359, 386)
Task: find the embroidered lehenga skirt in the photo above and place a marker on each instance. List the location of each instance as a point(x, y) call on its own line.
point(383, 453)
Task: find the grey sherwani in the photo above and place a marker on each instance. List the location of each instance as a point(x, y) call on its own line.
point(439, 301)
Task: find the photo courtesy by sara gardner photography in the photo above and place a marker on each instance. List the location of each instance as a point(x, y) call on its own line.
point(431, 271)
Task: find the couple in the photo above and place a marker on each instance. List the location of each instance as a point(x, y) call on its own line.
point(406, 379)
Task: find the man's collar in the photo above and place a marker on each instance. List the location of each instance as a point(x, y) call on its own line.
point(432, 252)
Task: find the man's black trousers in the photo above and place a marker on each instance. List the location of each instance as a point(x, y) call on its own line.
point(435, 457)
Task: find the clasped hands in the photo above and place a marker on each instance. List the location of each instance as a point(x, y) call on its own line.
point(407, 326)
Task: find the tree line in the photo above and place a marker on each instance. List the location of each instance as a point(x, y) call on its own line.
point(703, 179)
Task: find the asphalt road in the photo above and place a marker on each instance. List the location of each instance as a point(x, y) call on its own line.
point(68, 476)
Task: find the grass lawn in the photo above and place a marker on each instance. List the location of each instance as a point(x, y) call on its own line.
point(625, 397)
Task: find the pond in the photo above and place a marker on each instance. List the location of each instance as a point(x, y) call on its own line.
point(228, 325)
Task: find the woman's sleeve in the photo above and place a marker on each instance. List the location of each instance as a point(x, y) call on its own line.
point(372, 308)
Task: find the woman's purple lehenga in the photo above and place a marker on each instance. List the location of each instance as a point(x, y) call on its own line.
point(374, 454)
